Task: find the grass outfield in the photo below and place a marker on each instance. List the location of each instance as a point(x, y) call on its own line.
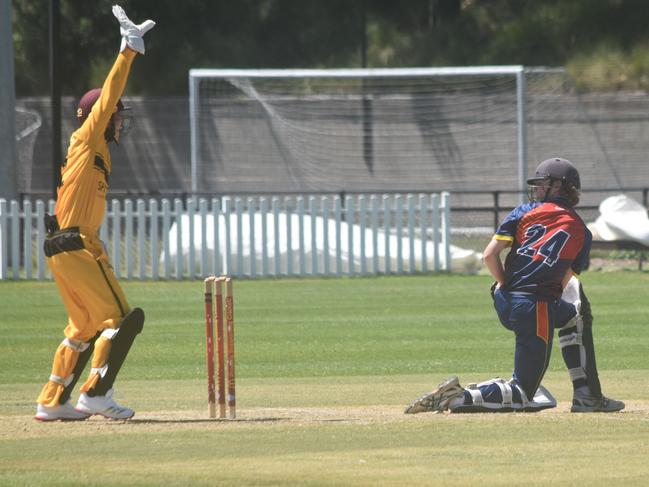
point(324, 369)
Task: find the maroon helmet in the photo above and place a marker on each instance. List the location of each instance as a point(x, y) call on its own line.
point(88, 100)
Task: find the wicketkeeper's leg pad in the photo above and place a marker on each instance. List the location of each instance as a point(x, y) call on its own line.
point(501, 396)
point(111, 350)
point(82, 360)
point(69, 361)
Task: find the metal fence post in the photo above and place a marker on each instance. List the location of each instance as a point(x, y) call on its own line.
point(4, 246)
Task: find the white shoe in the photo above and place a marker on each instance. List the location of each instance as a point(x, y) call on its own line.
point(104, 406)
point(62, 412)
point(439, 399)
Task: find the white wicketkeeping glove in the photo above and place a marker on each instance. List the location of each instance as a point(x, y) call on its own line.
point(131, 33)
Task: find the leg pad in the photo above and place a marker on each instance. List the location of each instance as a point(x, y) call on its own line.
point(84, 356)
point(122, 339)
point(512, 398)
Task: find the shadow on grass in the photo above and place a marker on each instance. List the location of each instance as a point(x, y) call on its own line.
point(207, 421)
point(230, 421)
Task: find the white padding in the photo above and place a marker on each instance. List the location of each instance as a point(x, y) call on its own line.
point(109, 333)
point(571, 291)
point(543, 399)
point(571, 295)
point(75, 345)
point(99, 370)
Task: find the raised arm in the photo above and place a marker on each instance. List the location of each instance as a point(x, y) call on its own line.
point(113, 87)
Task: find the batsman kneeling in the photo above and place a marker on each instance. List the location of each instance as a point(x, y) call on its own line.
point(535, 293)
point(101, 324)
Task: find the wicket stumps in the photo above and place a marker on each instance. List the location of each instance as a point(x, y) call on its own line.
point(214, 299)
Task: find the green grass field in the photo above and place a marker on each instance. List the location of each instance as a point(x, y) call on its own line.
point(324, 369)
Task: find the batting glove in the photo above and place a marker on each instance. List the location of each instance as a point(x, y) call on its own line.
point(131, 33)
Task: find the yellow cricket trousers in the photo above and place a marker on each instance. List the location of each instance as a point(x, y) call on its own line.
point(93, 300)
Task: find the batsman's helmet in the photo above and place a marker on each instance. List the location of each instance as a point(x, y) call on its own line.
point(557, 169)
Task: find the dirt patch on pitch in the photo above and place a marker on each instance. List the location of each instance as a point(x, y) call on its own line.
point(17, 427)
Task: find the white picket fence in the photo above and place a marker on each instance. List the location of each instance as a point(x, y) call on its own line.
point(248, 237)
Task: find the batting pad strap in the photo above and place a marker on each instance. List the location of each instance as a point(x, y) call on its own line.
point(524, 400)
point(60, 380)
point(75, 345)
point(109, 333)
point(506, 391)
point(101, 371)
point(476, 396)
point(577, 373)
point(573, 338)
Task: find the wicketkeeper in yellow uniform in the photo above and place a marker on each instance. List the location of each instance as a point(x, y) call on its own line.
point(101, 324)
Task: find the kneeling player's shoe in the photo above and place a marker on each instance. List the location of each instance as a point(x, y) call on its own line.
point(591, 404)
point(104, 406)
point(439, 399)
point(62, 412)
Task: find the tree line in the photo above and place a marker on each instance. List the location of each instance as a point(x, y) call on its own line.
point(603, 43)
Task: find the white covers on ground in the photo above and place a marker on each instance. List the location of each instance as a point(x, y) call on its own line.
point(621, 218)
point(312, 235)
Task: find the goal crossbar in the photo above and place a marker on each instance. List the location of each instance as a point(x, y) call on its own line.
point(356, 72)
